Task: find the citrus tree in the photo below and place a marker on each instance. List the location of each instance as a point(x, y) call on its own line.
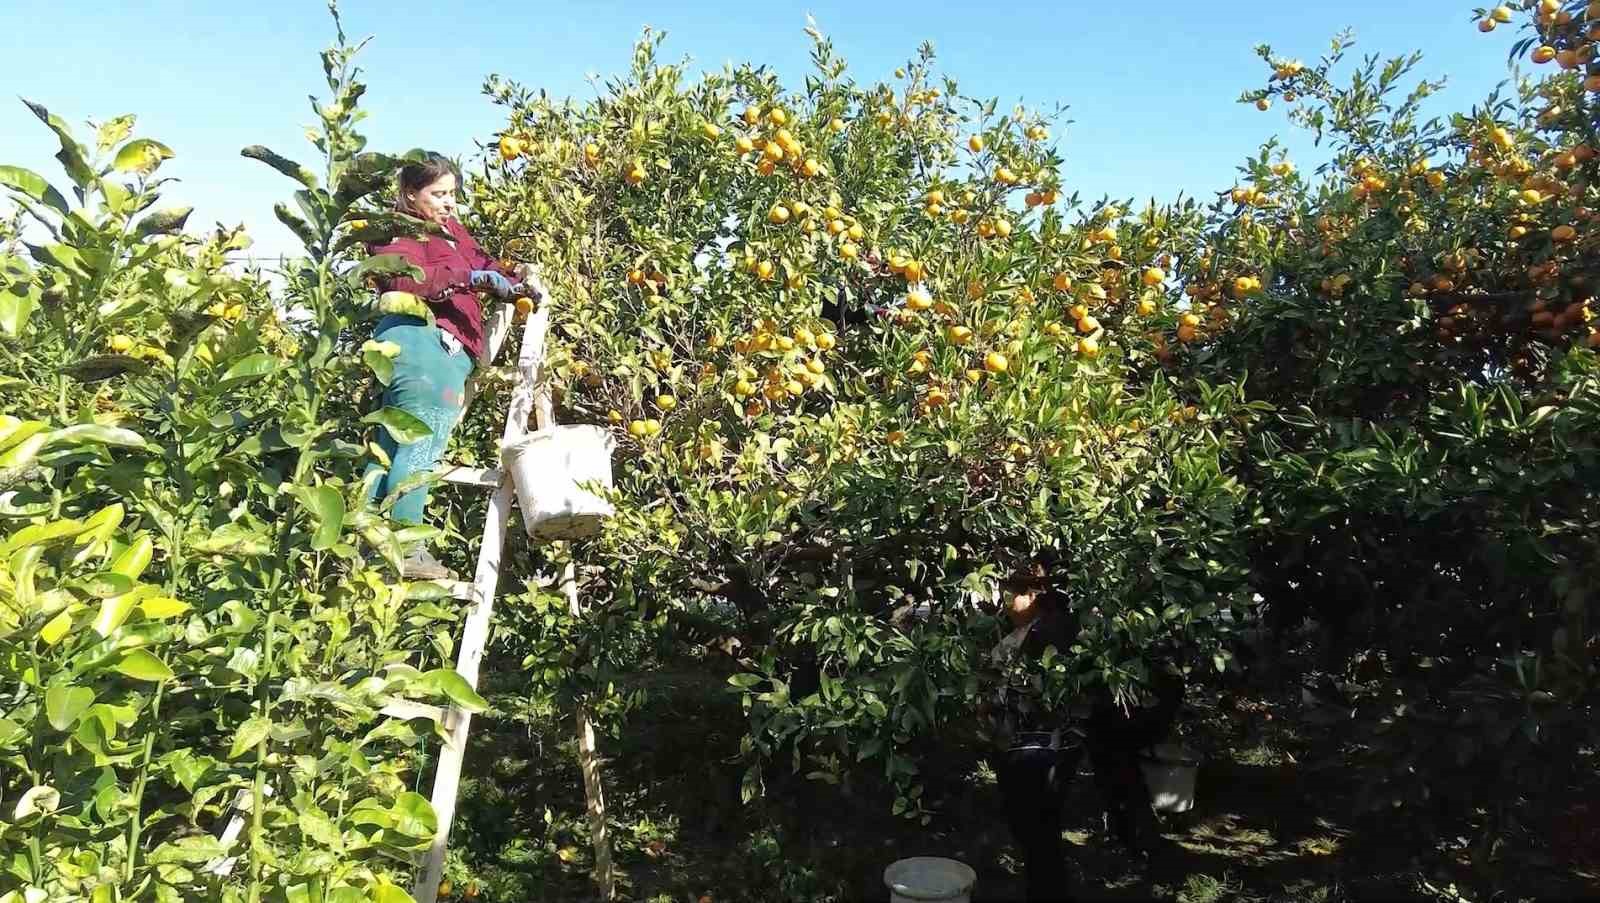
point(198, 614)
point(864, 362)
point(1419, 314)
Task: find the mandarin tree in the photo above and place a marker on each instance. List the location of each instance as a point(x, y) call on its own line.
point(862, 361)
point(1423, 326)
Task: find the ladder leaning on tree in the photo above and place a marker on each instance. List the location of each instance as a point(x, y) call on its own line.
point(530, 398)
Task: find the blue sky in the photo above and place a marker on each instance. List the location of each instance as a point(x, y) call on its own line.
point(1150, 86)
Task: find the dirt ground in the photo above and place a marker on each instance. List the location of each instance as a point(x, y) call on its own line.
point(1268, 824)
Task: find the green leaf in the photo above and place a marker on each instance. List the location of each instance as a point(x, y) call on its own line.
point(188, 768)
point(96, 434)
point(64, 256)
point(42, 534)
point(426, 590)
point(163, 222)
point(385, 265)
point(33, 186)
point(107, 584)
point(193, 848)
point(404, 303)
point(160, 608)
point(417, 533)
point(114, 131)
point(17, 304)
point(141, 665)
point(404, 427)
point(113, 613)
point(142, 156)
point(63, 705)
point(71, 154)
point(450, 684)
point(366, 173)
point(316, 825)
point(282, 164)
point(248, 369)
point(10, 733)
point(116, 198)
point(57, 627)
point(104, 522)
point(382, 367)
point(233, 539)
point(253, 731)
point(313, 204)
point(327, 505)
point(104, 366)
point(414, 816)
point(296, 225)
point(132, 561)
point(389, 893)
point(13, 431)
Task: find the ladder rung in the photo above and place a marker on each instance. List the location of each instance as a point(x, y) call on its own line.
point(487, 477)
point(407, 709)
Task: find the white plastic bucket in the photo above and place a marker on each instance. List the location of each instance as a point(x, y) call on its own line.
point(922, 879)
point(1169, 772)
point(548, 468)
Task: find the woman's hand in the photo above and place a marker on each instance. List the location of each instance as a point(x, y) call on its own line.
point(494, 282)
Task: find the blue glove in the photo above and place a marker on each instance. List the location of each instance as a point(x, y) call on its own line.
point(494, 282)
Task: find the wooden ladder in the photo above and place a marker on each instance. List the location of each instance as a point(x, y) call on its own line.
point(530, 398)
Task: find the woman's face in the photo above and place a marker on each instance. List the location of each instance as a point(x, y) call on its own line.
point(1022, 606)
point(436, 201)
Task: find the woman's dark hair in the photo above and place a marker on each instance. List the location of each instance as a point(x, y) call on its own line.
point(418, 173)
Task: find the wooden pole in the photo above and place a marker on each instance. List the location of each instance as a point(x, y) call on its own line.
point(588, 757)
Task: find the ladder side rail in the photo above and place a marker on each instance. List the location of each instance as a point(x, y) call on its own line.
point(496, 330)
point(497, 327)
point(475, 634)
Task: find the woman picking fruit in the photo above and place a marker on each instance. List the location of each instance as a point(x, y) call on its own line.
point(431, 370)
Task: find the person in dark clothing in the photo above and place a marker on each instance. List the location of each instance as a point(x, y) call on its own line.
point(1034, 773)
point(844, 312)
point(1038, 764)
point(855, 301)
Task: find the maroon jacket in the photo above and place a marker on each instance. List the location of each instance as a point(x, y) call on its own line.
point(445, 286)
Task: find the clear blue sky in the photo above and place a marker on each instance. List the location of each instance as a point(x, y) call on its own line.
point(1150, 85)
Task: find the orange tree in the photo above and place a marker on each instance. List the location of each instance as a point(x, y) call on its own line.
point(197, 605)
point(1420, 316)
point(862, 361)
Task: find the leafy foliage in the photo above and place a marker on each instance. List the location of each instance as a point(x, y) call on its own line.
point(197, 609)
point(841, 500)
point(867, 367)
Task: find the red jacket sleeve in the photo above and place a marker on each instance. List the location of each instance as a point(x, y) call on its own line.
point(438, 277)
point(473, 253)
